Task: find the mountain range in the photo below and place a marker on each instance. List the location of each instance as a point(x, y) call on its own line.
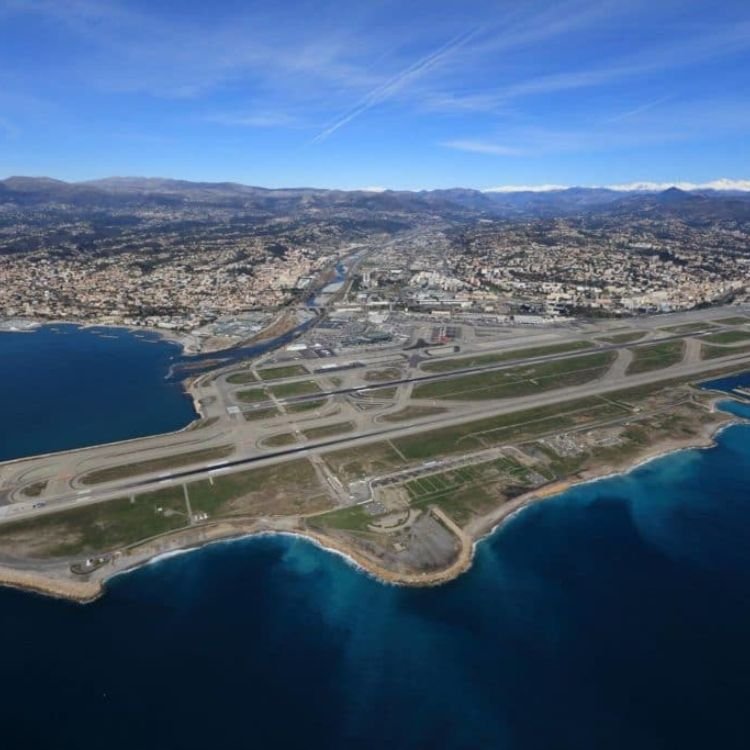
point(141, 192)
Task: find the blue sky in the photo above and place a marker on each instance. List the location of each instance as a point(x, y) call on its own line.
point(355, 93)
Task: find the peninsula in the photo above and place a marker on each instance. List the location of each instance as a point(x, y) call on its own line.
point(388, 374)
point(400, 452)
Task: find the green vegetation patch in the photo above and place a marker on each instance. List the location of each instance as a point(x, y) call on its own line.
point(465, 502)
point(301, 406)
point(714, 352)
point(266, 412)
point(99, 527)
point(354, 518)
point(287, 488)
point(469, 490)
point(243, 376)
point(359, 462)
point(447, 365)
point(687, 328)
point(561, 467)
point(379, 394)
point(412, 412)
point(623, 338)
point(252, 395)
point(287, 371)
point(507, 428)
point(733, 321)
point(289, 390)
point(519, 381)
point(35, 489)
point(727, 337)
point(680, 423)
point(318, 433)
point(280, 440)
point(388, 373)
point(656, 356)
point(113, 473)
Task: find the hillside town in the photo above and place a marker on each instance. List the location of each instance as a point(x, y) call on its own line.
point(181, 256)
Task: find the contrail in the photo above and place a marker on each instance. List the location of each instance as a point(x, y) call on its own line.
point(385, 90)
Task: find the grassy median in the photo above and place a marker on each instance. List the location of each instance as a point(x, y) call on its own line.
point(477, 360)
point(519, 381)
point(124, 471)
point(656, 356)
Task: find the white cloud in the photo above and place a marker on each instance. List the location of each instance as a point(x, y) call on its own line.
point(256, 120)
point(525, 188)
point(397, 82)
point(684, 52)
point(722, 183)
point(482, 147)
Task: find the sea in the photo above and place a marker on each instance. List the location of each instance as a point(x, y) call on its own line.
point(64, 386)
point(614, 616)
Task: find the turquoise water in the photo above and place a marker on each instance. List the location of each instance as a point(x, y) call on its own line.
point(65, 387)
point(614, 616)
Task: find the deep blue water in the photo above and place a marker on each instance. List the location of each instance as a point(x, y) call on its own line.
point(615, 616)
point(66, 387)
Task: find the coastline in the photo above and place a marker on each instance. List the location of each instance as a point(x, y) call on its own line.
point(486, 526)
point(81, 592)
point(188, 385)
point(189, 343)
point(59, 584)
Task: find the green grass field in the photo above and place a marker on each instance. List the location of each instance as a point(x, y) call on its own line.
point(379, 394)
point(35, 489)
point(355, 463)
point(623, 338)
point(243, 376)
point(101, 527)
point(388, 373)
point(656, 356)
point(412, 412)
point(714, 352)
point(281, 440)
point(519, 381)
point(290, 487)
point(318, 433)
point(346, 519)
point(266, 412)
point(447, 365)
point(727, 337)
point(303, 406)
point(287, 371)
point(507, 428)
point(124, 471)
point(737, 320)
point(301, 388)
point(468, 490)
point(687, 328)
point(252, 395)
